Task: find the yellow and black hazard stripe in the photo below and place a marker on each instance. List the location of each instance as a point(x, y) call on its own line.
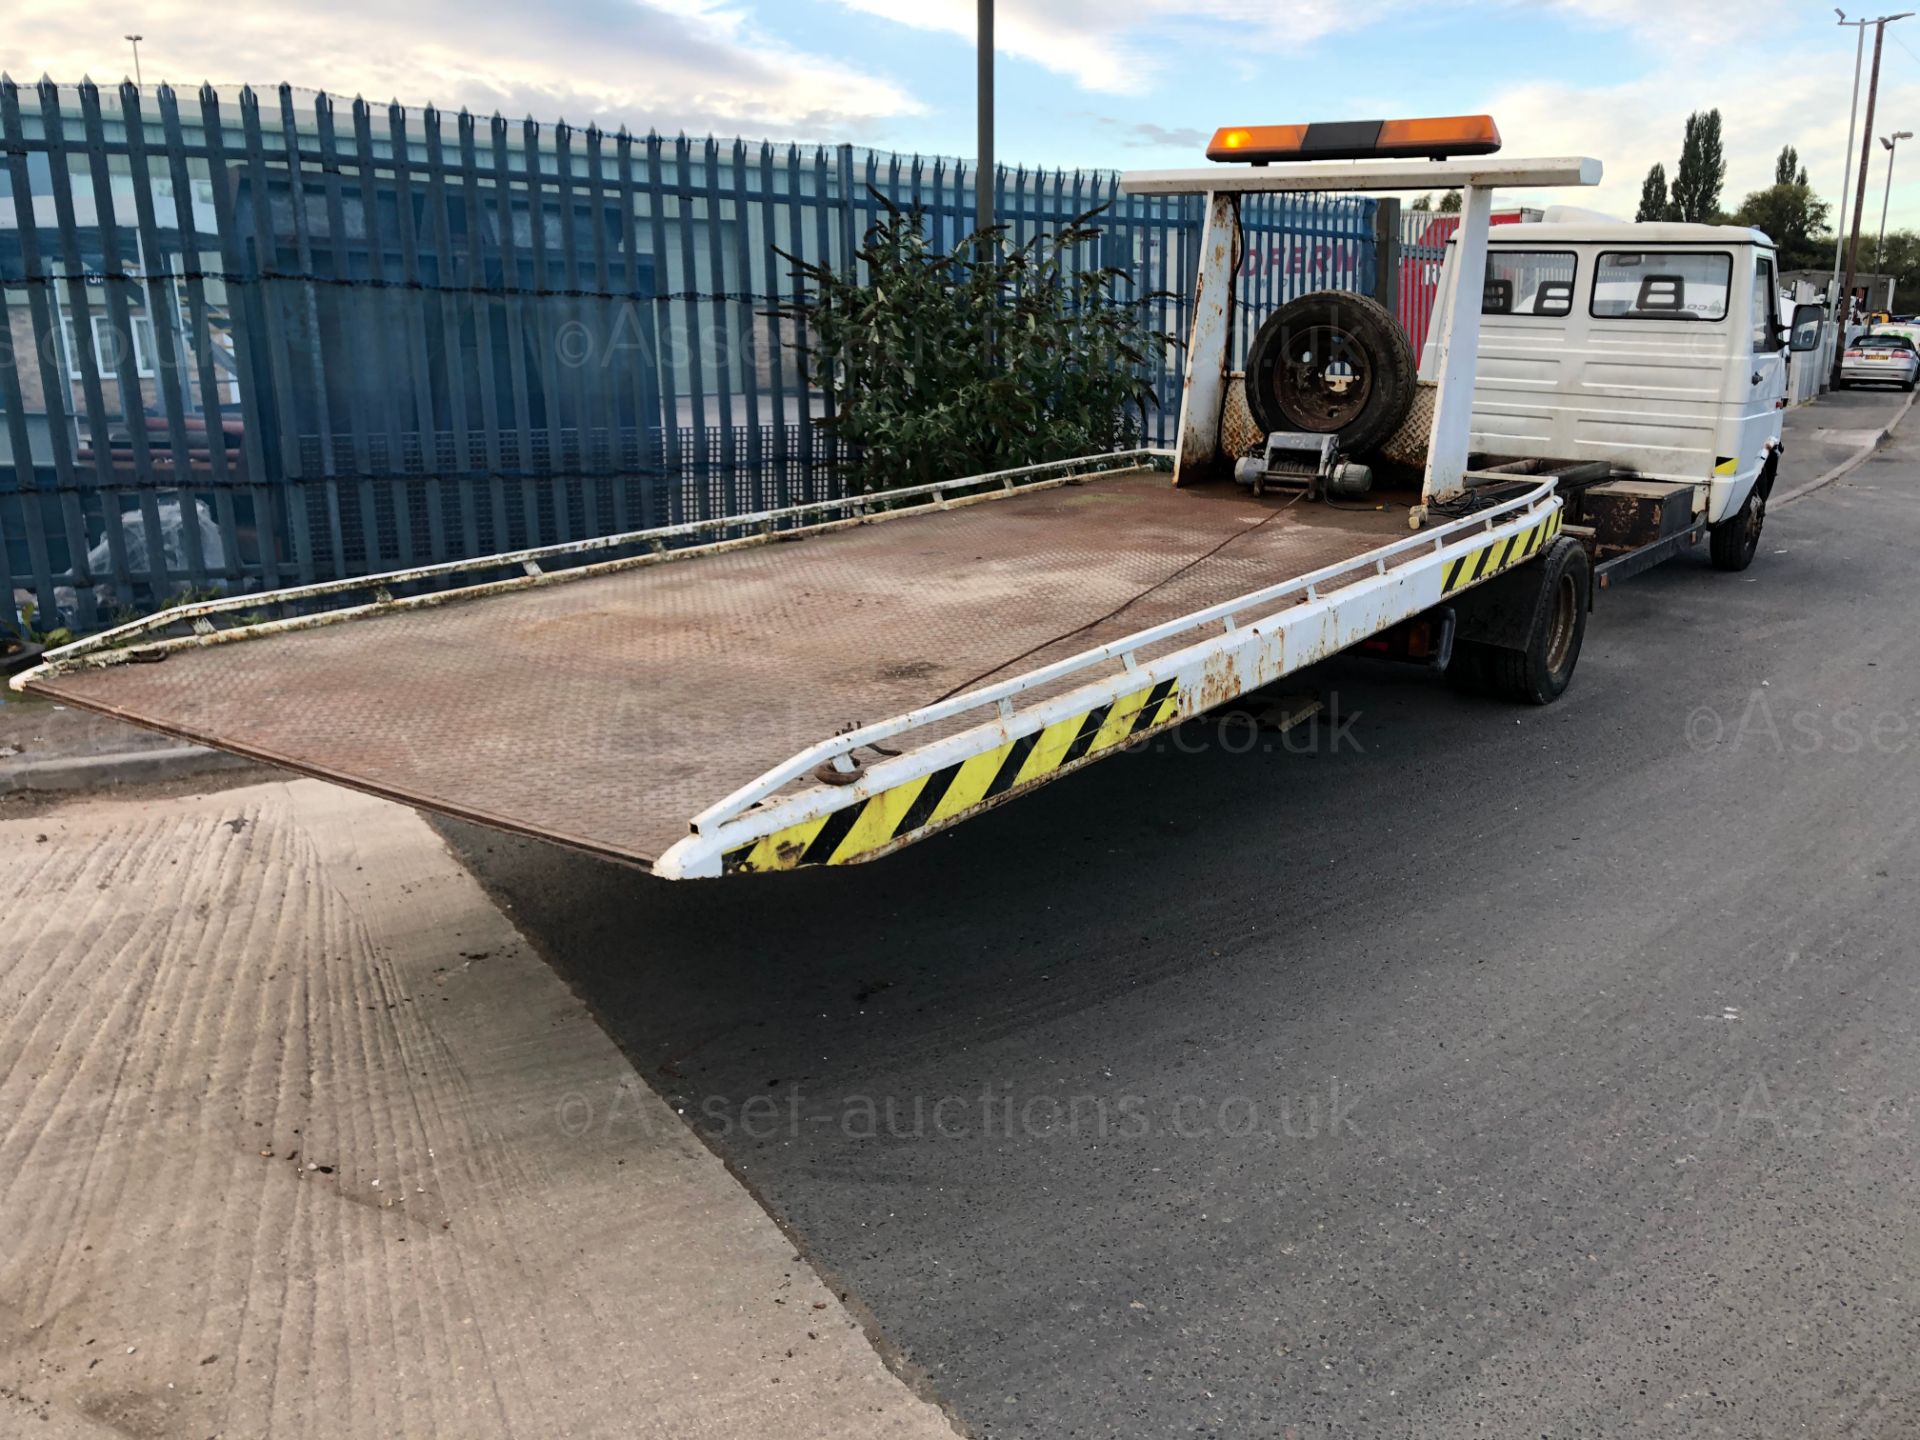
point(1490, 559)
point(921, 804)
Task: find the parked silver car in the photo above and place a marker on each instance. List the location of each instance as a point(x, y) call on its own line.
point(1881, 360)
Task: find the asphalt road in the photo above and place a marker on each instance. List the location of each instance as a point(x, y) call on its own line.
point(1489, 1072)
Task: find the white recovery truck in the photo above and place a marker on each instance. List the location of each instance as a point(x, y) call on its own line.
point(715, 699)
point(1656, 351)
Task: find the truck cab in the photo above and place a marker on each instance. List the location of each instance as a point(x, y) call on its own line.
point(1658, 349)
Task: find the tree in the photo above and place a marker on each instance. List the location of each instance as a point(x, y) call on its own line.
point(1424, 204)
point(1787, 170)
point(1792, 217)
point(1450, 203)
point(1901, 259)
point(1653, 195)
point(1703, 169)
point(995, 355)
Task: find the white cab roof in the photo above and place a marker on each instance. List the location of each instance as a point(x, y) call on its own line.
point(1647, 236)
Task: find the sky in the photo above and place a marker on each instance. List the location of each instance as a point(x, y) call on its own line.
point(1113, 84)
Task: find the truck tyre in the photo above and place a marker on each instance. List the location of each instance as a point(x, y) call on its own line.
point(1734, 541)
point(1332, 363)
point(1539, 673)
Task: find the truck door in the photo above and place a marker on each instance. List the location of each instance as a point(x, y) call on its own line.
point(1765, 377)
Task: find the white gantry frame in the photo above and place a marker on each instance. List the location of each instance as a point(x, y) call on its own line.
point(1203, 396)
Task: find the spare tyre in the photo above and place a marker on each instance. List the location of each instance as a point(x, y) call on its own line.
point(1332, 363)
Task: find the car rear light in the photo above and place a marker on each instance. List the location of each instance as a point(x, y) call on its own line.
point(1856, 354)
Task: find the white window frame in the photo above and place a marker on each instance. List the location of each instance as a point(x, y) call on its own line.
point(104, 340)
point(1661, 317)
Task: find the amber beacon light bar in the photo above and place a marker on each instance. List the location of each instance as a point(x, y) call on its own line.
point(1433, 139)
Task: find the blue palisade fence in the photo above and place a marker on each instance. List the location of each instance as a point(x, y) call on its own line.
point(249, 341)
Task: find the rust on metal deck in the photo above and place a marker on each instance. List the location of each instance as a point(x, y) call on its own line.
point(606, 712)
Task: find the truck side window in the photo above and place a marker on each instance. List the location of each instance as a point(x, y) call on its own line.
point(1670, 285)
point(1528, 282)
point(1766, 309)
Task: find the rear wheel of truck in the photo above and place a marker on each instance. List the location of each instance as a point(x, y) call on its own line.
point(1734, 541)
point(1539, 672)
point(1331, 363)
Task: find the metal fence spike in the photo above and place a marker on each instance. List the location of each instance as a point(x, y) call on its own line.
point(465, 268)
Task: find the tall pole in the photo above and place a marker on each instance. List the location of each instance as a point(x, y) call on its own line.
point(1866, 155)
point(983, 173)
point(1880, 244)
point(135, 40)
point(1846, 174)
point(1892, 142)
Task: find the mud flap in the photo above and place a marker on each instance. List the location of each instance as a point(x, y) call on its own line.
point(1503, 611)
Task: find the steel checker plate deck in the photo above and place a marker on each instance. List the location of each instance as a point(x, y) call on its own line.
point(925, 790)
point(606, 712)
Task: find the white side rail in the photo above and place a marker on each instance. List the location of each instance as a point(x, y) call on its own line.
point(144, 638)
point(1233, 647)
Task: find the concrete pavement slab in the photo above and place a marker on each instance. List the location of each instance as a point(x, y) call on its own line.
point(1831, 437)
point(298, 1137)
point(48, 747)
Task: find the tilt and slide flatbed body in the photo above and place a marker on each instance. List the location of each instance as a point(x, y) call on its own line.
point(678, 709)
point(824, 684)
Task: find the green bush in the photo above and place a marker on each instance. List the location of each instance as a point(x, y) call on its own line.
point(24, 628)
point(995, 356)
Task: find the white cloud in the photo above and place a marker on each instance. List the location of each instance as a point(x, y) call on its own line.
point(1632, 126)
point(694, 64)
point(1720, 25)
point(1113, 45)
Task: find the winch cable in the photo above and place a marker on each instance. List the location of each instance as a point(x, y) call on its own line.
point(1126, 604)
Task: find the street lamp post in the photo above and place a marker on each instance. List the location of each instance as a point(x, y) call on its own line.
point(1890, 141)
point(134, 40)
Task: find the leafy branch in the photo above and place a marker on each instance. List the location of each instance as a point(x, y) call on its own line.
point(994, 356)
